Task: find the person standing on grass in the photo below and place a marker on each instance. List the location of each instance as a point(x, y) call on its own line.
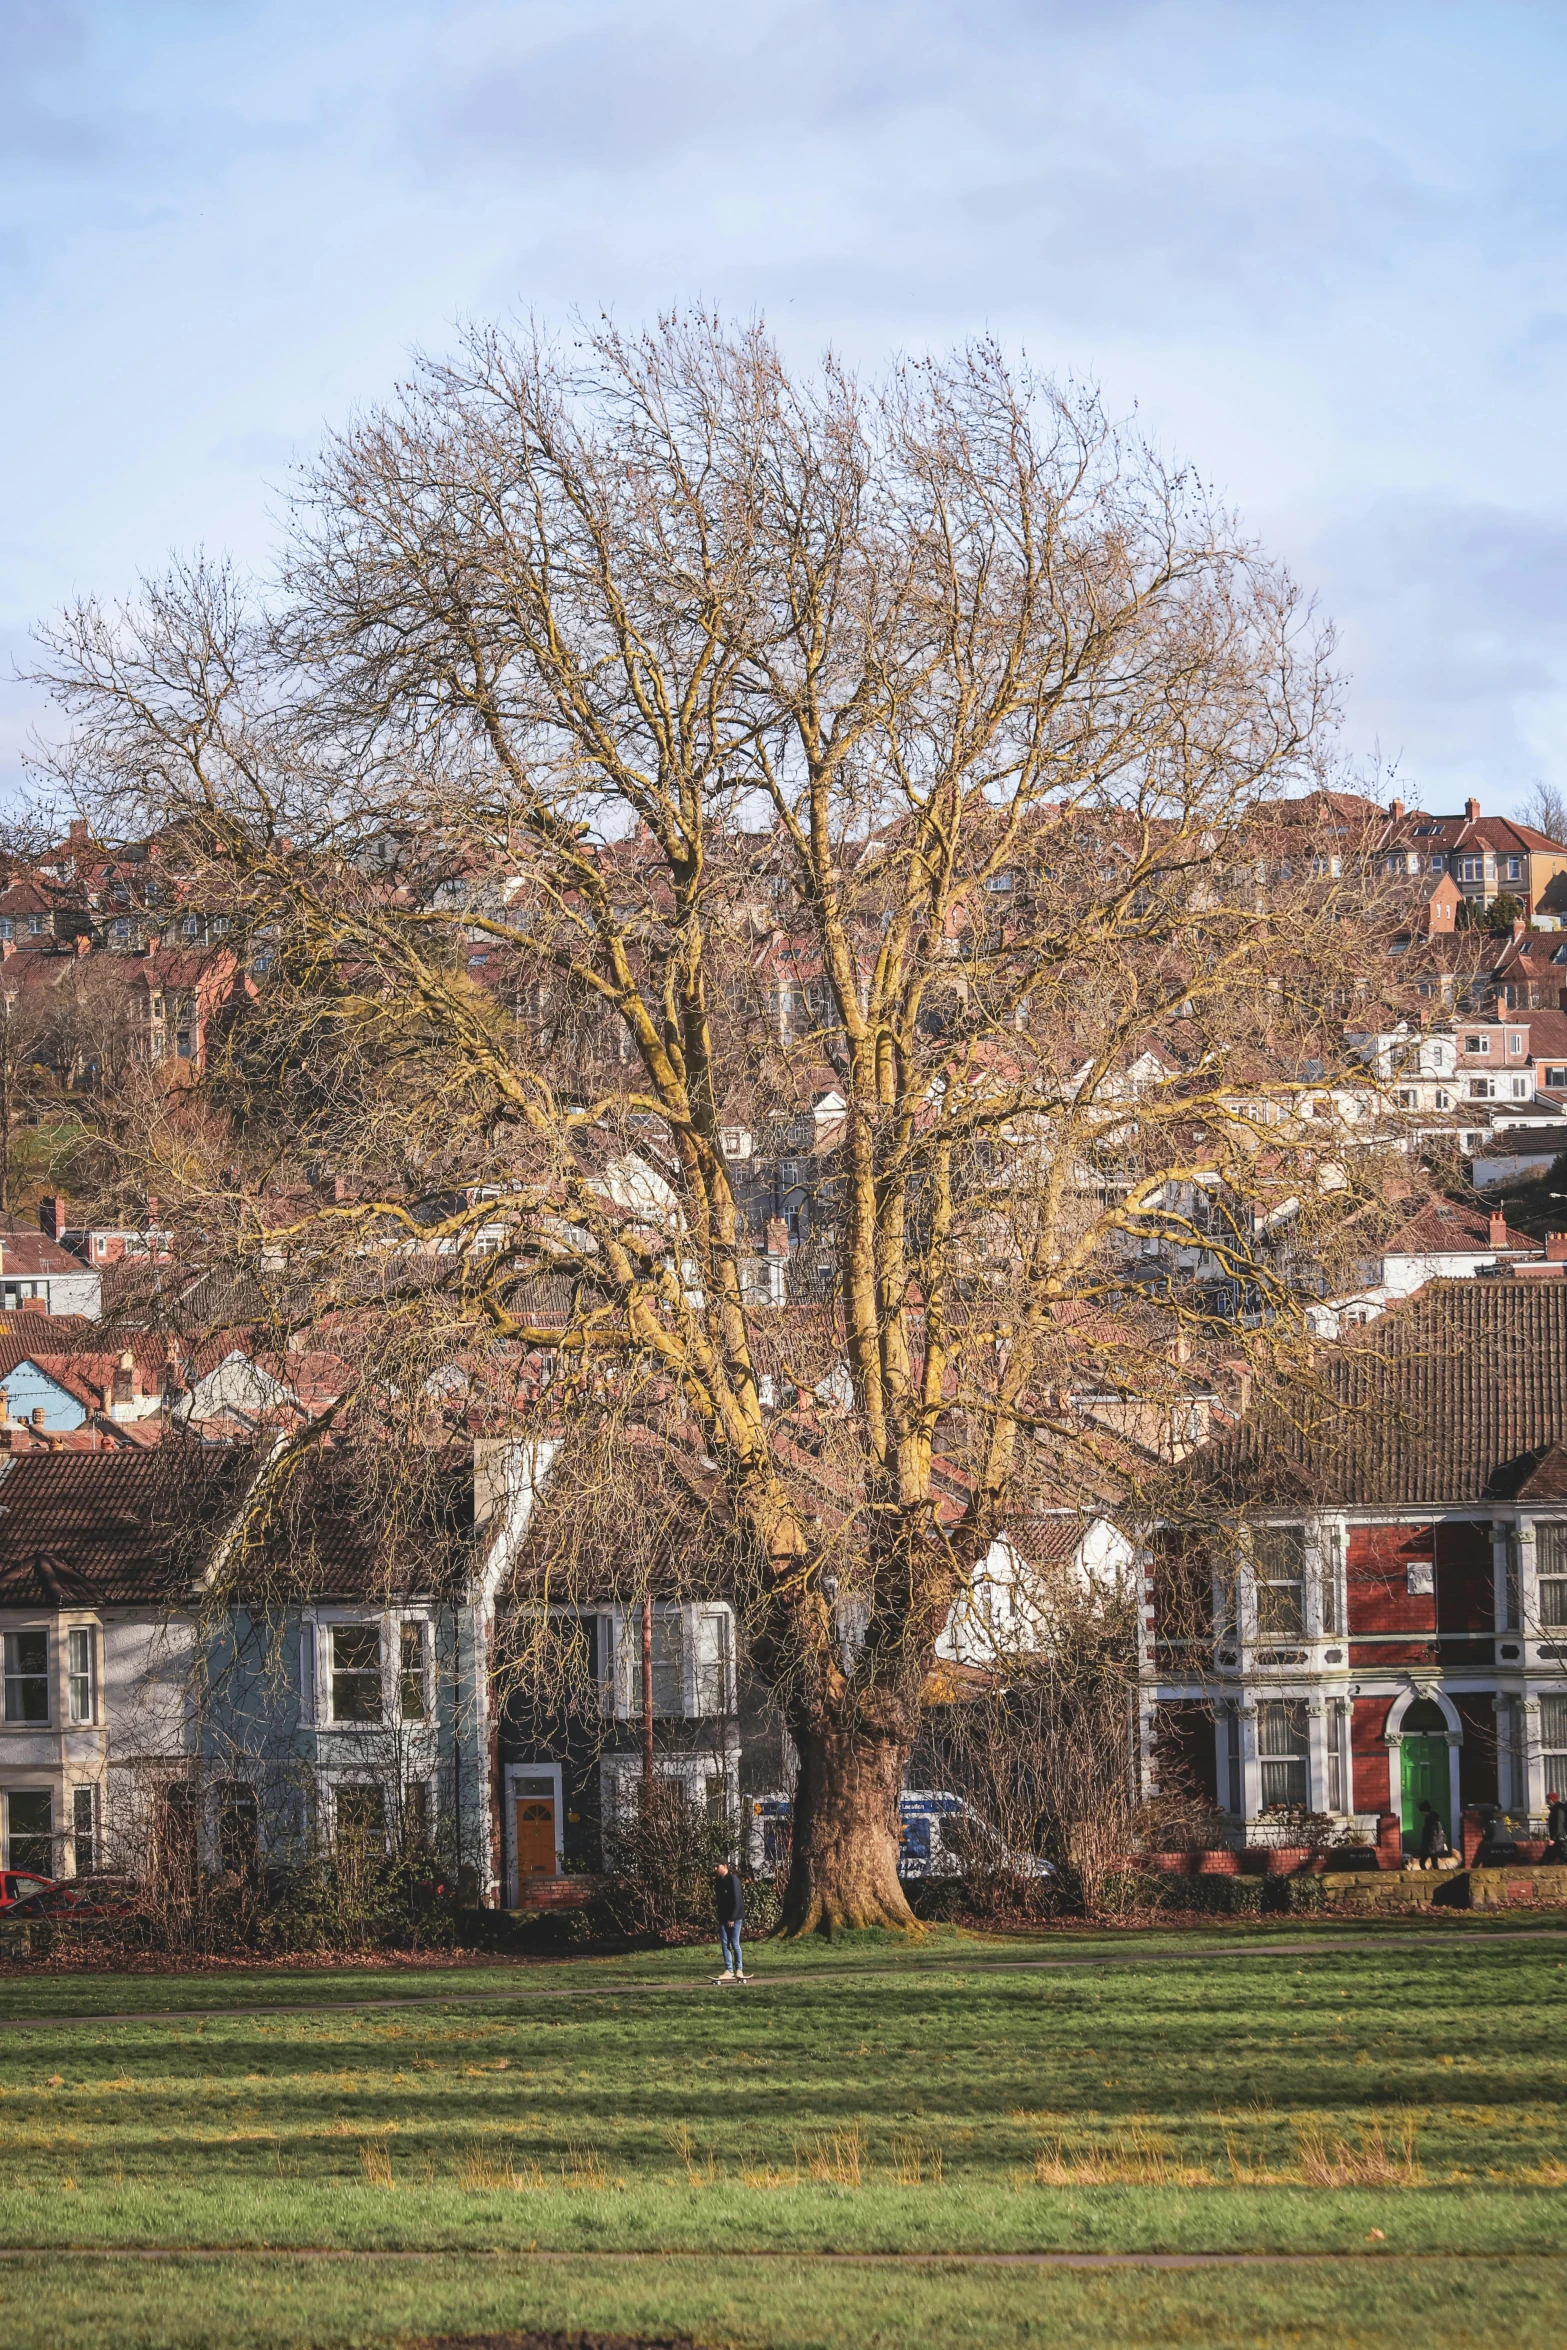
point(729, 1901)
point(1556, 1829)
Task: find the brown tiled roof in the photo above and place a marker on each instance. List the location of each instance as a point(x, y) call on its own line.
point(1457, 1398)
point(1448, 1227)
point(24, 1249)
point(100, 1528)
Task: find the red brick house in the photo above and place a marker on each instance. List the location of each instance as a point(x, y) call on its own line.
point(1361, 1597)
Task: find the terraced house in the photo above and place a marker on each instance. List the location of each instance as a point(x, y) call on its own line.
point(1365, 1604)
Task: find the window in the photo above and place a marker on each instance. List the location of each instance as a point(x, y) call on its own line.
point(1515, 1044)
point(36, 925)
point(1279, 1557)
point(1444, 1101)
point(1477, 1044)
point(1556, 1079)
point(30, 1830)
point(191, 927)
point(1471, 868)
point(1553, 1741)
point(239, 1830)
point(356, 1673)
point(7, 927)
point(361, 1817)
point(1332, 1573)
point(1408, 1099)
point(1337, 1776)
point(120, 933)
point(714, 1663)
point(1550, 1552)
point(411, 1673)
point(219, 926)
point(27, 1676)
point(1281, 1751)
point(1438, 861)
point(1520, 1087)
point(668, 1662)
point(80, 1664)
point(1481, 1089)
point(84, 1830)
point(1515, 868)
point(182, 1045)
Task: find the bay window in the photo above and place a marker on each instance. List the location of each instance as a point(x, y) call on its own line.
point(27, 1676)
point(1282, 1751)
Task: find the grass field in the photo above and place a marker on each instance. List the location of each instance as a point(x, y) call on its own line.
point(698, 2154)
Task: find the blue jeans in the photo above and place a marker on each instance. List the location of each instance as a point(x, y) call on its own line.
point(729, 1944)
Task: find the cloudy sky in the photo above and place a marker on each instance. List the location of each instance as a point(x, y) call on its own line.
point(1317, 244)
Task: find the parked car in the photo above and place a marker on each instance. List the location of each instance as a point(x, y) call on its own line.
point(933, 1827)
point(79, 1900)
point(19, 1885)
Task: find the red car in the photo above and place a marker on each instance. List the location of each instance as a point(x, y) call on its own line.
point(78, 1898)
point(17, 1885)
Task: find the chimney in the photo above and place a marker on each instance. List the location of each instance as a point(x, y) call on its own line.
point(38, 1415)
point(51, 1215)
point(1556, 1248)
point(339, 1188)
point(1498, 1229)
point(79, 833)
point(152, 1211)
point(777, 1237)
point(1395, 809)
point(5, 1408)
point(1472, 811)
point(123, 1392)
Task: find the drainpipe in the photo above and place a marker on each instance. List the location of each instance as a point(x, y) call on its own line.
point(647, 1701)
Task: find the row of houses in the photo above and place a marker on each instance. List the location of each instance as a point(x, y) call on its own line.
point(1356, 1598)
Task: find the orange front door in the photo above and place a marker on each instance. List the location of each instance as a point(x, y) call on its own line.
point(536, 1835)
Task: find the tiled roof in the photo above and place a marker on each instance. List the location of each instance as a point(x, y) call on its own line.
point(100, 1528)
point(1446, 1227)
point(1457, 1398)
point(26, 1250)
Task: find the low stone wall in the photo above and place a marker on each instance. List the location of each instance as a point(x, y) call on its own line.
point(1505, 1888)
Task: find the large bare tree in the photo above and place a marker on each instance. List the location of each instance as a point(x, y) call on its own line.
point(657, 765)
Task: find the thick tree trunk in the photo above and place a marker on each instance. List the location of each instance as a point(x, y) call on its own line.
point(843, 1871)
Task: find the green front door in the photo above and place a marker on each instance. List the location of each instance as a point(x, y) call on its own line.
point(1425, 1777)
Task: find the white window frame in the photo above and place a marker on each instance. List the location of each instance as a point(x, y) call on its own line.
point(624, 1678)
point(388, 1624)
point(85, 1635)
point(16, 1723)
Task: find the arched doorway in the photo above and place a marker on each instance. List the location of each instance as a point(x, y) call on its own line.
point(1426, 1775)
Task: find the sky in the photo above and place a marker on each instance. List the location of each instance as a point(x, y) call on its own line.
point(1319, 247)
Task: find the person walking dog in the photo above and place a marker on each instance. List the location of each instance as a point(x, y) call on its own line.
point(729, 1901)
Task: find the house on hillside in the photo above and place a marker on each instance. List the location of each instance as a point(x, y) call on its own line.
point(1362, 1599)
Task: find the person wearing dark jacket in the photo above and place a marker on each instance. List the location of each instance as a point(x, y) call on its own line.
point(1433, 1836)
point(729, 1901)
point(1556, 1829)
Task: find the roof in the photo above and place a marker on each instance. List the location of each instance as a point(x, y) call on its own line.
point(1448, 1228)
point(1459, 1397)
point(24, 1249)
point(99, 1528)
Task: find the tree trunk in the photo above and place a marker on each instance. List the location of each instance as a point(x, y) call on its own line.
point(843, 1871)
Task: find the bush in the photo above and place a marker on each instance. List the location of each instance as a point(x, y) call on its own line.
point(661, 1860)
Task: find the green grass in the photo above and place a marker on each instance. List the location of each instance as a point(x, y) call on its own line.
point(878, 2100)
point(1440, 2304)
